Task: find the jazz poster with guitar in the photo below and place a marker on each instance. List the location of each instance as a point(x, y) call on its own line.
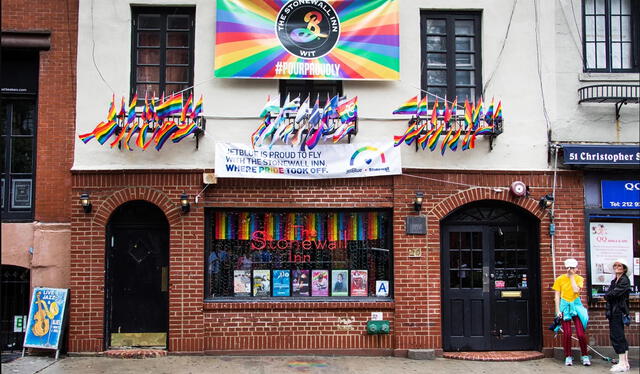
point(46, 317)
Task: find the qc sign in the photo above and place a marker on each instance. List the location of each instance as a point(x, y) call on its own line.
point(620, 194)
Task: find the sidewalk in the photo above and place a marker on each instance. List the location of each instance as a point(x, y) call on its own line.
point(287, 364)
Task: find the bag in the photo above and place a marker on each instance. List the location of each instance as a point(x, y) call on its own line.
point(626, 320)
point(556, 322)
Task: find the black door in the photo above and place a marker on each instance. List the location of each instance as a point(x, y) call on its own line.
point(490, 279)
point(137, 276)
point(14, 304)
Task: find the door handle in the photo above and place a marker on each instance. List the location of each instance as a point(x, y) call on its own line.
point(165, 279)
point(491, 276)
point(486, 279)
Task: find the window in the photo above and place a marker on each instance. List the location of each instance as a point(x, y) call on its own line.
point(451, 54)
point(611, 35)
point(18, 122)
point(162, 53)
point(315, 88)
point(283, 255)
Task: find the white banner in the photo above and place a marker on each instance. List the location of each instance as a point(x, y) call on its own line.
point(609, 241)
point(234, 160)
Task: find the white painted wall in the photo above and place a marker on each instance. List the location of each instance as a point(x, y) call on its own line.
point(587, 122)
point(231, 105)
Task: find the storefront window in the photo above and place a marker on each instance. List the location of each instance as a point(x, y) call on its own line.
point(297, 254)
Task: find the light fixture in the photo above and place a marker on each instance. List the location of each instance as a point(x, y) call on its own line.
point(417, 203)
point(86, 203)
point(546, 201)
point(184, 203)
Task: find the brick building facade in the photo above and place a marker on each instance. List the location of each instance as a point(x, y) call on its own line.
point(273, 326)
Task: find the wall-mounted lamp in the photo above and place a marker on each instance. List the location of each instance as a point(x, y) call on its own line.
point(546, 201)
point(417, 203)
point(86, 203)
point(184, 203)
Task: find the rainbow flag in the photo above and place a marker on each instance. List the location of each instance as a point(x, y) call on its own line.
point(186, 109)
point(397, 140)
point(488, 116)
point(122, 112)
point(170, 107)
point(165, 133)
point(445, 142)
point(111, 115)
point(348, 111)
point(477, 114)
point(256, 134)
point(105, 132)
point(413, 135)
point(184, 131)
point(447, 112)
point(343, 131)
point(423, 109)
point(409, 107)
point(432, 143)
point(422, 141)
point(197, 111)
point(498, 114)
point(453, 142)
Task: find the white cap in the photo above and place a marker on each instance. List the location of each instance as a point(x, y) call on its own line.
point(571, 263)
point(624, 262)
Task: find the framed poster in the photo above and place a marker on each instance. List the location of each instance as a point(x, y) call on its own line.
point(339, 282)
point(21, 193)
point(262, 283)
point(46, 318)
point(242, 282)
point(301, 283)
point(320, 283)
point(609, 241)
point(281, 283)
point(359, 283)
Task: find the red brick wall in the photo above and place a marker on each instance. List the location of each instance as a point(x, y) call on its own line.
point(415, 317)
point(56, 98)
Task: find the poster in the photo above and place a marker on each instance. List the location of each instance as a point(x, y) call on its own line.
point(331, 39)
point(281, 283)
point(46, 317)
point(359, 283)
point(262, 283)
point(339, 283)
point(236, 160)
point(242, 282)
point(301, 282)
point(320, 283)
point(609, 241)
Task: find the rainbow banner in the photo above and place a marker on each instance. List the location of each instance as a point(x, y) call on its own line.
point(331, 39)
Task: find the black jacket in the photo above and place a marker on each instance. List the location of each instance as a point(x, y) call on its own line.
point(618, 296)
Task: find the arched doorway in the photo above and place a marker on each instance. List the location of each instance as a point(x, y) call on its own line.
point(490, 278)
point(137, 276)
point(14, 305)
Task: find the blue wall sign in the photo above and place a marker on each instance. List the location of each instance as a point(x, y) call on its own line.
point(620, 194)
point(46, 317)
point(601, 154)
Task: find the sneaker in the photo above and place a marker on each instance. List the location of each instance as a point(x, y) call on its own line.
point(619, 368)
point(568, 361)
point(586, 361)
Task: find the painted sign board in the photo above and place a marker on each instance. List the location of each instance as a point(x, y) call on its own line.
point(307, 39)
point(623, 194)
point(601, 154)
point(46, 318)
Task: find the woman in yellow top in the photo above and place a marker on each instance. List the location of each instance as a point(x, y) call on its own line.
point(569, 308)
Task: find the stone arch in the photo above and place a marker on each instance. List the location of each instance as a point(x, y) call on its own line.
point(157, 197)
point(453, 202)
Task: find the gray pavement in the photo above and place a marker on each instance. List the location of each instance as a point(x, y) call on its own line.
point(287, 364)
